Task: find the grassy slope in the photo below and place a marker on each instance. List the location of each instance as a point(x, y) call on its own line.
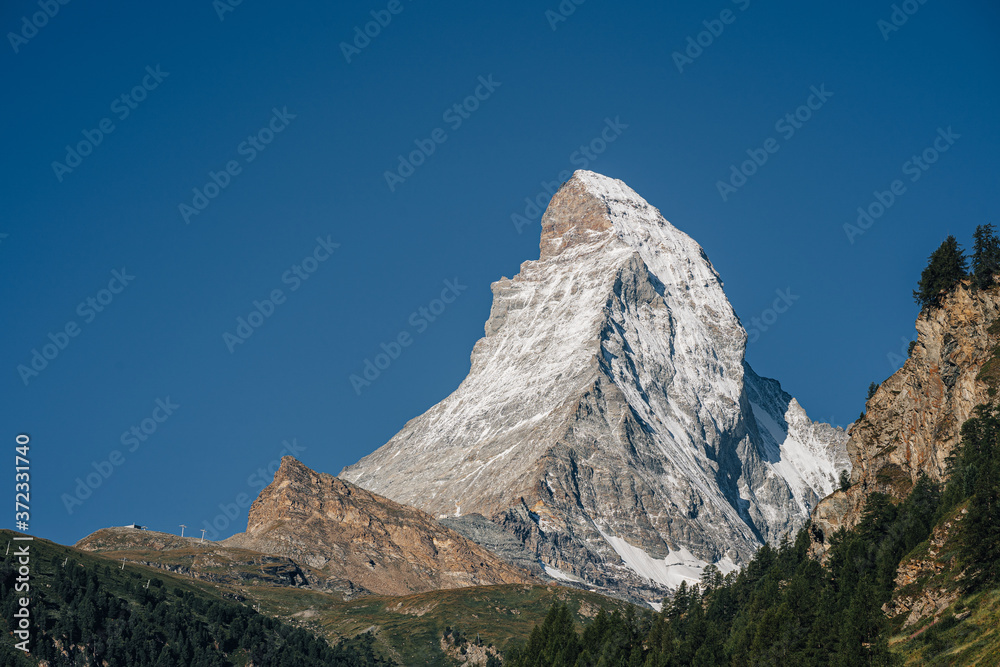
point(408, 628)
point(411, 627)
point(966, 632)
point(974, 640)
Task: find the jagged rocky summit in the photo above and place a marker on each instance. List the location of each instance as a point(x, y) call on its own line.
point(610, 423)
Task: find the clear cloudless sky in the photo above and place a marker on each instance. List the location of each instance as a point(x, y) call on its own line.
point(322, 176)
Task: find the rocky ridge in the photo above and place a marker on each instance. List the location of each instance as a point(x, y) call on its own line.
point(211, 561)
point(349, 533)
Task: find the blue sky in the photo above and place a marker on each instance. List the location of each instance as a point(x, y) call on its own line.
point(291, 134)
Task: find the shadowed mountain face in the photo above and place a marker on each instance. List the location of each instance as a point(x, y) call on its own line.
point(609, 422)
point(349, 533)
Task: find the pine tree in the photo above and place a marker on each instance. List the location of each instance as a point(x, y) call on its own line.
point(986, 256)
point(679, 605)
point(554, 642)
point(982, 524)
point(945, 268)
point(845, 480)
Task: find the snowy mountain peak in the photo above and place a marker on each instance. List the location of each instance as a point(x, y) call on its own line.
point(589, 205)
point(609, 420)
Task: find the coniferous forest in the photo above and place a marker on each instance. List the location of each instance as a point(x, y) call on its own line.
point(92, 614)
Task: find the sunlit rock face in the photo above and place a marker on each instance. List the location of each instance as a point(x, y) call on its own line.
point(354, 535)
point(913, 421)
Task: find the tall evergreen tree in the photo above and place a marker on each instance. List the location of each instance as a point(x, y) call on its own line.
point(983, 525)
point(945, 268)
point(975, 474)
point(986, 256)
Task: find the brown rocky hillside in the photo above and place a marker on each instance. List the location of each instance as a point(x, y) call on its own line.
point(347, 532)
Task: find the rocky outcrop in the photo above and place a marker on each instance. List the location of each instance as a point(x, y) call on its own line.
point(211, 561)
point(347, 532)
point(126, 538)
point(913, 421)
point(488, 534)
point(925, 584)
point(609, 421)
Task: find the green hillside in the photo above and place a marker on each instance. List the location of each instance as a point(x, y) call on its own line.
point(178, 620)
point(413, 628)
point(87, 610)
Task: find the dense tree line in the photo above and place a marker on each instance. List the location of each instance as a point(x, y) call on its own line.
point(974, 474)
point(610, 639)
point(96, 615)
point(948, 266)
point(784, 608)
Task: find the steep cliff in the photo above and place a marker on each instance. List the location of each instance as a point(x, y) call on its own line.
point(913, 420)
